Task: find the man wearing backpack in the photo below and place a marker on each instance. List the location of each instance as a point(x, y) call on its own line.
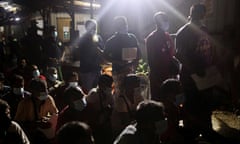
point(160, 51)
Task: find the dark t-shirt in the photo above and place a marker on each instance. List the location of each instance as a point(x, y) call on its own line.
point(114, 47)
point(193, 48)
point(89, 55)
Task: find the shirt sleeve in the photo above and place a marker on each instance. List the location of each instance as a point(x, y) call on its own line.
point(15, 128)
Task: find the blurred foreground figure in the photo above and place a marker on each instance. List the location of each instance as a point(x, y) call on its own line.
point(10, 131)
point(90, 56)
point(149, 126)
point(75, 132)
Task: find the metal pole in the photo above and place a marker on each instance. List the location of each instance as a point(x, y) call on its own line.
point(91, 9)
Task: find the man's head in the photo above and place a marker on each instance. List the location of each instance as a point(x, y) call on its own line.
point(52, 74)
point(161, 20)
point(38, 88)
point(35, 71)
point(197, 12)
point(149, 111)
point(91, 26)
point(169, 89)
point(17, 84)
point(5, 117)
point(120, 24)
point(135, 85)
point(105, 84)
point(105, 81)
point(75, 133)
point(72, 79)
point(150, 118)
point(74, 97)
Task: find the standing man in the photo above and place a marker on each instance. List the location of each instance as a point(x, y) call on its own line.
point(160, 51)
point(122, 50)
point(90, 49)
point(195, 52)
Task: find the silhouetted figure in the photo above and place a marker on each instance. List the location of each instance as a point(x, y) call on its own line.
point(195, 52)
point(122, 50)
point(53, 49)
point(90, 55)
point(32, 45)
point(160, 52)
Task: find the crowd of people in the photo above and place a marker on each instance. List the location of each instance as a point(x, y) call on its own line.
point(105, 104)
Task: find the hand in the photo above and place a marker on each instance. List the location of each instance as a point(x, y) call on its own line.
point(44, 124)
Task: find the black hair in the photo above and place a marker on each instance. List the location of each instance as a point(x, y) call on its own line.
point(17, 81)
point(149, 111)
point(131, 80)
point(73, 93)
point(170, 86)
point(71, 75)
point(38, 85)
point(105, 80)
point(75, 133)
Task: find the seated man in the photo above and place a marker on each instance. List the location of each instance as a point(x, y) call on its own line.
point(100, 104)
point(75, 109)
point(150, 124)
point(34, 112)
point(134, 91)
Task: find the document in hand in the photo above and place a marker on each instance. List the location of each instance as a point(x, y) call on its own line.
point(212, 77)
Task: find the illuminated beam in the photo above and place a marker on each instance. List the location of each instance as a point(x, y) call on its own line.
point(86, 4)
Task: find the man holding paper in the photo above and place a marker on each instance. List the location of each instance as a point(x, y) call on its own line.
point(122, 51)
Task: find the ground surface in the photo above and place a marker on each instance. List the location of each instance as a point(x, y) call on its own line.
point(227, 124)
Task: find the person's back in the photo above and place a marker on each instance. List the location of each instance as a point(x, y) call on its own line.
point(195, 52)
point(193, 44)
point(149, 126)
point(75, 132)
